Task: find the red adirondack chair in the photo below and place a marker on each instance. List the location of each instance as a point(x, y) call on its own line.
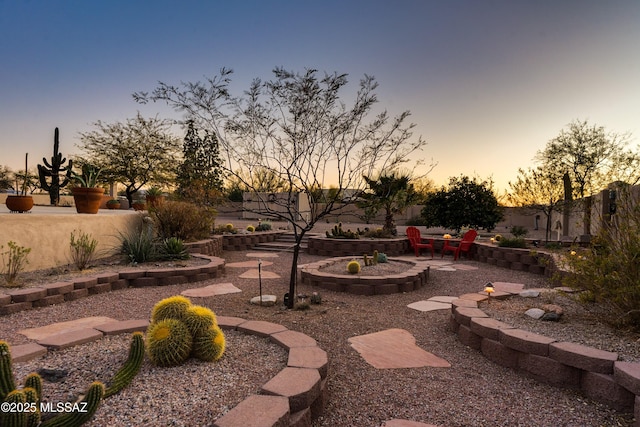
point(463, 246)
point(416, 241)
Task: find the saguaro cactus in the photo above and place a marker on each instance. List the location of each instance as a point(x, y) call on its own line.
point(49, 173)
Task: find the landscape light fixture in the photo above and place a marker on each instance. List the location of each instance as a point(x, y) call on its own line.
point(488, 288)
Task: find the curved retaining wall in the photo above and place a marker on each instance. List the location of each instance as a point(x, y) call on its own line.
point(325, 246)
point(14, 300)
point(597, 373)
point(415, 277)
point(515, 259)
point(243, 242)
point(296, 395)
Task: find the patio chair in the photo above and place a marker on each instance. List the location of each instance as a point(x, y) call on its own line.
point(416, 241)
point(463, 246)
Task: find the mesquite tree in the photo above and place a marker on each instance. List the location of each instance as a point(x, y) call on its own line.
point(296, 126)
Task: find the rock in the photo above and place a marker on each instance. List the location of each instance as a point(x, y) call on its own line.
point(535, 313)
point(553, 308)
point(529, 294)
point(52, 375)
point(551, 316)
point(267, 300)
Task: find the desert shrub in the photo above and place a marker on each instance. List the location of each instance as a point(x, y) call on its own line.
point(609, 271)
point(516, 242)
point(264, 226)
point(13, 261)
point(518, 231)
point(83, 248)
point(378, 233)
point(183, 220)
point(139, 246)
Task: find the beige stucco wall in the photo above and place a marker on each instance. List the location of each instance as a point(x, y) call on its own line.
point(47, 231)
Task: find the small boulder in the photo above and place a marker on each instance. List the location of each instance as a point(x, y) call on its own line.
point(551, 316)
point(267, 300)
point(529, 293)
point(535, 313)
point(553, 308)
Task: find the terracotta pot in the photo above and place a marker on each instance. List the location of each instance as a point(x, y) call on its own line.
point(113, 205)
point(139, 206)
point(87, 199)
point(19, 204)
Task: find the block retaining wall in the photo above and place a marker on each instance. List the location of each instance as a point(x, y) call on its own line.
point(15, 300)
point(597, 373)
point(243, 242)
point(413, 278)
point(324, 246)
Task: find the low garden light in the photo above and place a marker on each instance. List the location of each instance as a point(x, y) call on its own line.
point(446, 236)
point(489, 289)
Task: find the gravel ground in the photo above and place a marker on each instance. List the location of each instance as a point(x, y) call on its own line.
point(473, 392)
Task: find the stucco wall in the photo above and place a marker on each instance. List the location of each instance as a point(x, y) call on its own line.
point(47, 231)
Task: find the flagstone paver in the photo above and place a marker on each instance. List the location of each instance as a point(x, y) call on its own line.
point(465, 267)
point(394, 348)
point(442, 298)
point(405, 423)
point(446, 268)
point(70, 338)
point(248, 264)
point(429, 305)
point(62, 327)
point(262, 255)
point(254, 274)
point(513, 288)
point(211, 290)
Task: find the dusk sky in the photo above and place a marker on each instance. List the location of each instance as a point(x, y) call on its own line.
point(488, 83)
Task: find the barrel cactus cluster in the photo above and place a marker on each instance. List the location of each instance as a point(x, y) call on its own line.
point(179, 330)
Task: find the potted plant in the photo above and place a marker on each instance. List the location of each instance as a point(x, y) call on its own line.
point(87, 196)
point(154, 197)
point(113, 204)
point(21, 202)
point(139, 205)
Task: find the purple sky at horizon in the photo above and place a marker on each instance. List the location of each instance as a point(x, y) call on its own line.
point(488, 83)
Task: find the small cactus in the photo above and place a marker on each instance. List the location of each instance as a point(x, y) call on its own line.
point(382, 257)
point(32, 397)
point(251, 228)
point(92, 398)
point(169, 342)
point(14, 418)
point(316, 298)
point(375, 257)
point(229, 227)
point(131, 366)
point(173, 307)
point(353, 267)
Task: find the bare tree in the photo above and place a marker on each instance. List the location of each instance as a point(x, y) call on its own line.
point(297, 127)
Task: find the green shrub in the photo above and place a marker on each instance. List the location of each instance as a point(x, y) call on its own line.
point(264, 226)
point(83, 248)
point(610, 271)
point(518, 231)
point(13, 261)
point(174, 248)
point(183, 220)
point(512, 243)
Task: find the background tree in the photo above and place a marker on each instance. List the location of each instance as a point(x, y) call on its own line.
point(465, 202)
point(199, 176)
point(390, 191)
point(593, 158)
point(539, 189)
point(6, 178)
point(296, 127)
point(135, 153)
